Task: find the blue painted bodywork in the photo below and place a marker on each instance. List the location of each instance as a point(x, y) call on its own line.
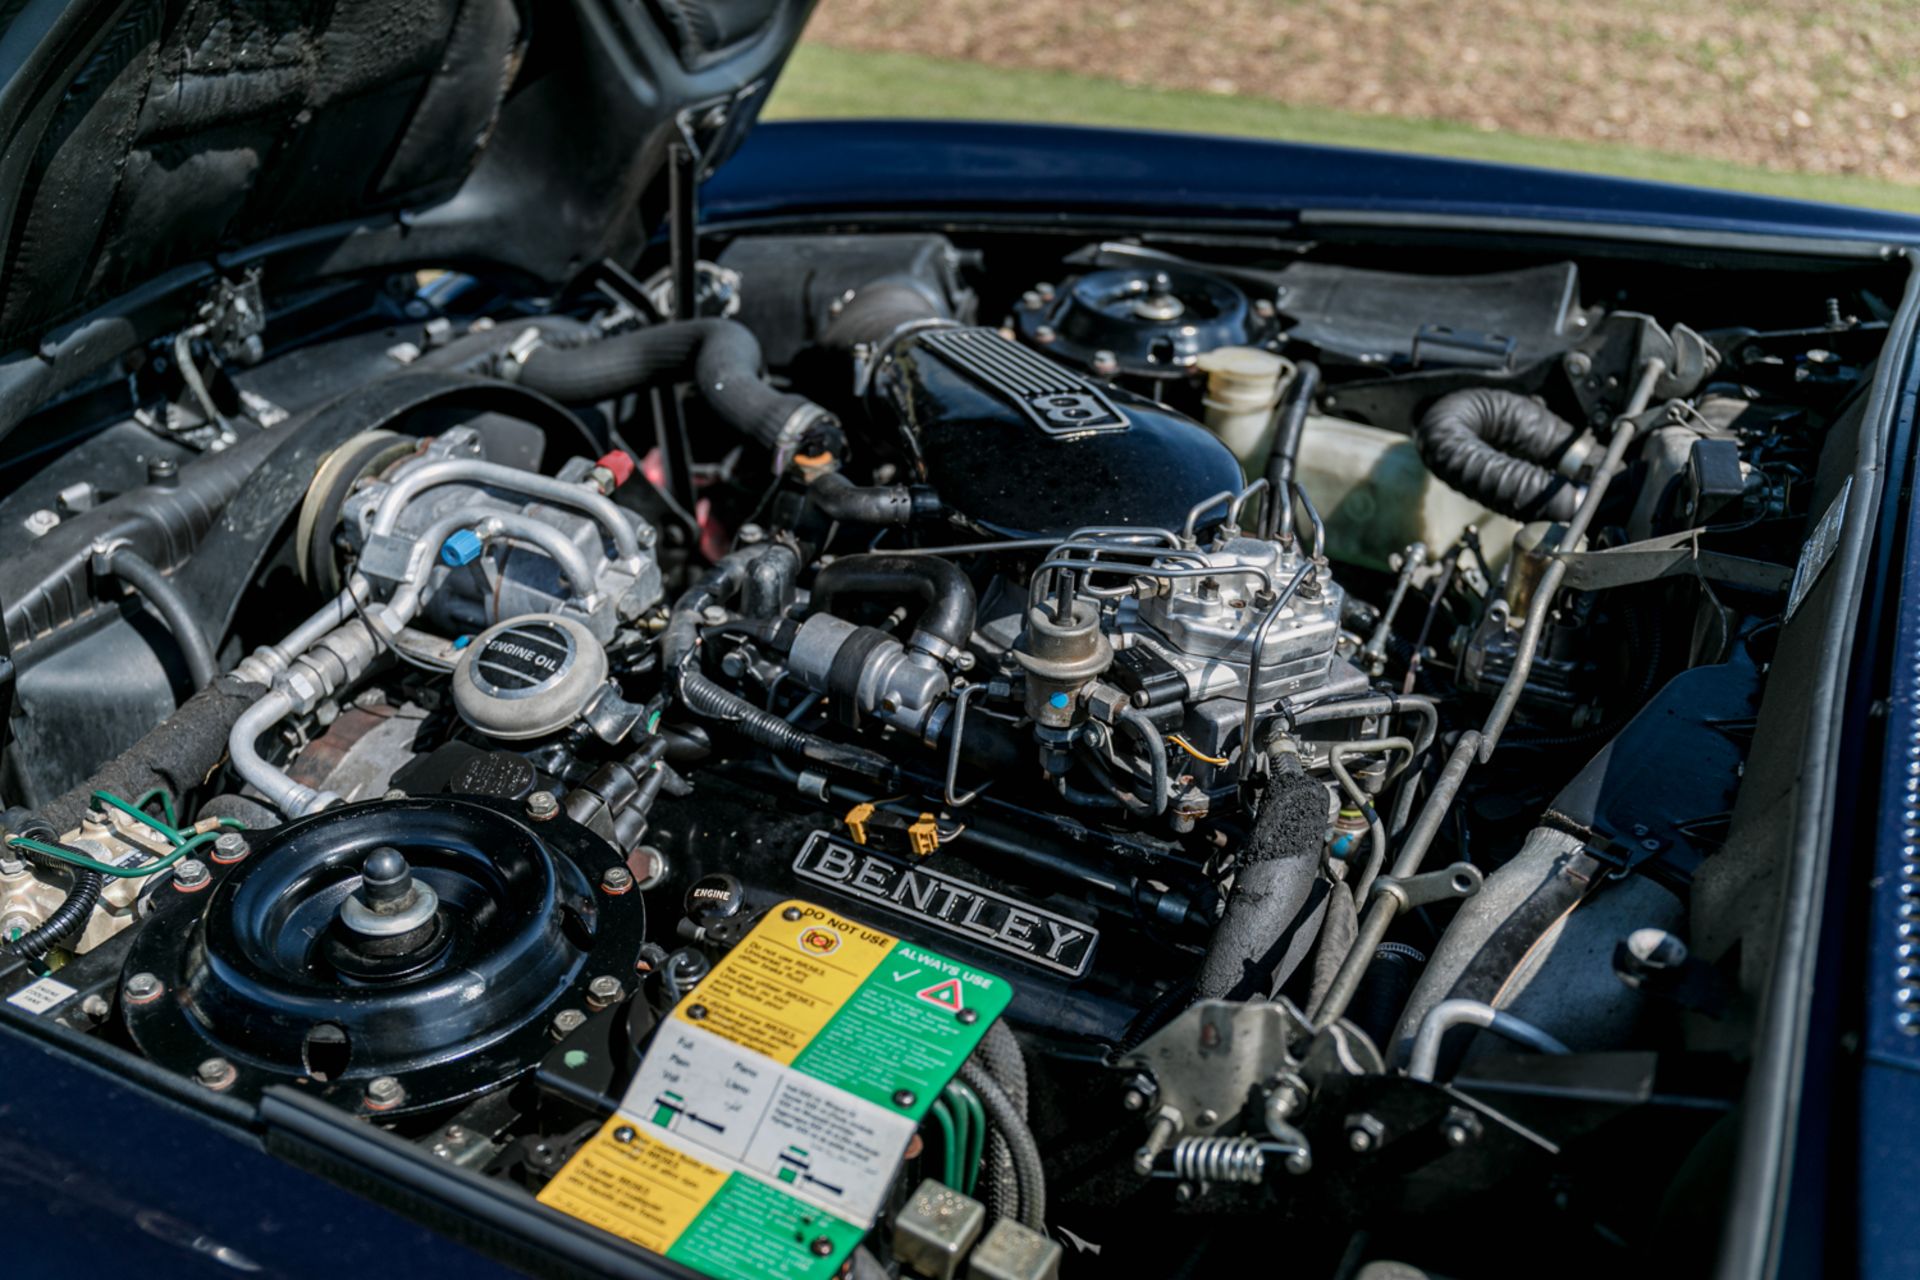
point(97, 1173)
point(797, 168)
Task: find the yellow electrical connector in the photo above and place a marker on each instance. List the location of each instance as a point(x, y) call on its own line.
point(857, 819)
point(923, 835)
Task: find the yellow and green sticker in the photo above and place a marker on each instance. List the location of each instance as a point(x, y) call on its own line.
point(771, 1112)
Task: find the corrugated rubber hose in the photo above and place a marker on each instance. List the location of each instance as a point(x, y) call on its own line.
point(70, 918)
point(1499, 448)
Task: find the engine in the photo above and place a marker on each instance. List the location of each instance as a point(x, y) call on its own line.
point(1271, 716)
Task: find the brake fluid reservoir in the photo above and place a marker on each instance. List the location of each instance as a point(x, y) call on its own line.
point(1377, 496)
point(1244, 384)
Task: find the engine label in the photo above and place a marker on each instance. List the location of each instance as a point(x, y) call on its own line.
point(770, 1114)
point(955, 906)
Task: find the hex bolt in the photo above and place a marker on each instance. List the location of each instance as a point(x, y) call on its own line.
point(41, 522)
point(1461, 1128)
point(604, 990)
point(143, 988)
point(713, 615)
point(96, 1008)
point(384, 1093)
point(230, 847)
point(616, 880)
point(190, 875)
point(216, 1074)
point(567, 1021)
point(1044, 334)
point(1365, 1133)
point(542, 805)
point(750, 535)
point(1105, 363)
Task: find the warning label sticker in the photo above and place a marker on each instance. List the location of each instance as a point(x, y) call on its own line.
point(772, 1110)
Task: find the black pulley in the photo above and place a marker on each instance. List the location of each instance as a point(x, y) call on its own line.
point(394, 956)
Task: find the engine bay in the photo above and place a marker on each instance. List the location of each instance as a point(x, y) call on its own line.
point(1317, 688)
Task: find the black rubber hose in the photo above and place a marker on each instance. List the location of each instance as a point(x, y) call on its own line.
point(1028, 1173)
point(1499, 448)
point(71, 917)
point(719, 357)
point(841, 499)
point(947, 601)
point(881, 309)
point(178, 755)
point(707, 699)
point(1285, 454)
point(165, 599)
point(1383, 992)
point(1272, 887)
point(1154, 747)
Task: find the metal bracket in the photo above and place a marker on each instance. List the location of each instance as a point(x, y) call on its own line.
point(1461, 880)
point(1670, 555)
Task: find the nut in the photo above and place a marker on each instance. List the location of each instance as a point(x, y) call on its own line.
point(384, 1093)
point(216, 1074)
point(1461, 1128)
point(1365, 1133)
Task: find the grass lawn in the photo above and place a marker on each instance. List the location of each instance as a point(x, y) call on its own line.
point(821, 81)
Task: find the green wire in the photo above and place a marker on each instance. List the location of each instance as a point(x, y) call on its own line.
point(133, 810)
point(166, 804)
point(968, 1102)
point(107, 868)
point(949, 1147)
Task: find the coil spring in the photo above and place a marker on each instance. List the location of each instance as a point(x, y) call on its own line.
point(1219, 1160)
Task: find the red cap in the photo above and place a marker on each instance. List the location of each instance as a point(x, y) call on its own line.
point(619, 465)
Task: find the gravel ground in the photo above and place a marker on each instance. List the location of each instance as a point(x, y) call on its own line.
point(1814, 87)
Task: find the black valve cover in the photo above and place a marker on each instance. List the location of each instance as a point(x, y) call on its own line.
point(1021, 446)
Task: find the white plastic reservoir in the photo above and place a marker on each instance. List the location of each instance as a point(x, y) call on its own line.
point(1376, 496)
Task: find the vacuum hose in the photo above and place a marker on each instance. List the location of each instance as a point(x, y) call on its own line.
point(1499, 448)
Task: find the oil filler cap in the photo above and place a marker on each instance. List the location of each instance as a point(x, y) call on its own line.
point(529, 677)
